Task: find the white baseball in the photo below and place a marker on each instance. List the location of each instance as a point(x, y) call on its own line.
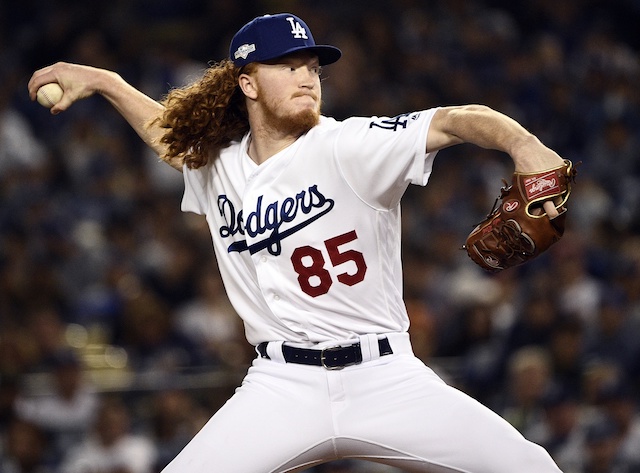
point(49, 94)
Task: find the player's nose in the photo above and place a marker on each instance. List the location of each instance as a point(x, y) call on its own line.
point(307, 77)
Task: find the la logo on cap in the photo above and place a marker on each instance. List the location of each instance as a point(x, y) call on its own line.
point(297, 30)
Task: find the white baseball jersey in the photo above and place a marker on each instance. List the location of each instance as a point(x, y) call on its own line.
point(308, 243)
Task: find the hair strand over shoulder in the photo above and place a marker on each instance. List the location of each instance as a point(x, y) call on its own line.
point(204, 116)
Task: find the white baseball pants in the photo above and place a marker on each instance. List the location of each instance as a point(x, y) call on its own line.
point(391, 409)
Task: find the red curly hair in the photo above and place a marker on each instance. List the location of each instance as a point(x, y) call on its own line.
point(205, 116)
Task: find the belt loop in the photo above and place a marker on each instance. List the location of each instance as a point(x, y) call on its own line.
point(274, 350)
point(369, 346)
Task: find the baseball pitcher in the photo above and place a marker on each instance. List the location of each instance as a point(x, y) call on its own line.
point(304, 214)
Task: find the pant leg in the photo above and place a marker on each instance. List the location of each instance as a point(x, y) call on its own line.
point(276, 421)
point(404, 415)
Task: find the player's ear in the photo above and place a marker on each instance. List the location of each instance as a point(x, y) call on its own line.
point(247, 84)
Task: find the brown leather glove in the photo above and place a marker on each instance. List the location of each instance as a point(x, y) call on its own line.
point(518, 229)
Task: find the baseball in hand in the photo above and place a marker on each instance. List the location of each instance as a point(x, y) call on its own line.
point(49, 94)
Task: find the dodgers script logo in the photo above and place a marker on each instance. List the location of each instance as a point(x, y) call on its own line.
point(270, 220)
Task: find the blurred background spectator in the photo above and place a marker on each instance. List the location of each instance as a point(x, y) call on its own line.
point(65, 415)
point(97, 260)
point(25, 449)
point(111, 446)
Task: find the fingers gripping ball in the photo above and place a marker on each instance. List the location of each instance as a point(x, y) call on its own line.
point(49, 94)
point(518, 229)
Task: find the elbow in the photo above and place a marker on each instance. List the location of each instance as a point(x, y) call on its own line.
point(455, 122)
point(459, 116)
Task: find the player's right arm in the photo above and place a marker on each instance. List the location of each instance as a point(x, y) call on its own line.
point(79, 82)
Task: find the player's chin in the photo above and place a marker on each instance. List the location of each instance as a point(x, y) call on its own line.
point(305, 106)
point(309, 118)
point(303, 120)
point(306, 103)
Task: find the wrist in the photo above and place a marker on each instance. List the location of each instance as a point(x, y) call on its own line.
point(530, 155)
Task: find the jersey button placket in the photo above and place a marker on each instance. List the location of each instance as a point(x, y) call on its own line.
point(263, 260)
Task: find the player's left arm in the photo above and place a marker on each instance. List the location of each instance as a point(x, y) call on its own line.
point(487, 128)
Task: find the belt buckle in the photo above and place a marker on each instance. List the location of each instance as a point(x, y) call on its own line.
point(323, 358)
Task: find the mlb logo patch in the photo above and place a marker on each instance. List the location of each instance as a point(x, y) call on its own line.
point(244, 50)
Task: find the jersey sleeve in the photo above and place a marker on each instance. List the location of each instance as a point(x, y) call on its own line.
point(194, 198)
point(380, 156)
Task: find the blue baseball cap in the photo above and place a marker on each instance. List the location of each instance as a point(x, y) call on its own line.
point(272, 36)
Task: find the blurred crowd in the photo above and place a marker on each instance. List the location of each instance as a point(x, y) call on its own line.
point(117, 341)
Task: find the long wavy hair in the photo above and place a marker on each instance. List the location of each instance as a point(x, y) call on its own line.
point(205, 116)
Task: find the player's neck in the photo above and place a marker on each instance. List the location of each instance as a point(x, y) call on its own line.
point(263, 145)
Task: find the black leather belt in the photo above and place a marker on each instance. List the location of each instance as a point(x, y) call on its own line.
point(331, 358)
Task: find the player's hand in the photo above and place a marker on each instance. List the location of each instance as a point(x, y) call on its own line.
point(535, 157)
point(550, 209)
point(77, 82)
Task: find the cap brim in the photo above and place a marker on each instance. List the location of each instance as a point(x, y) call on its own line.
point(326, 54)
